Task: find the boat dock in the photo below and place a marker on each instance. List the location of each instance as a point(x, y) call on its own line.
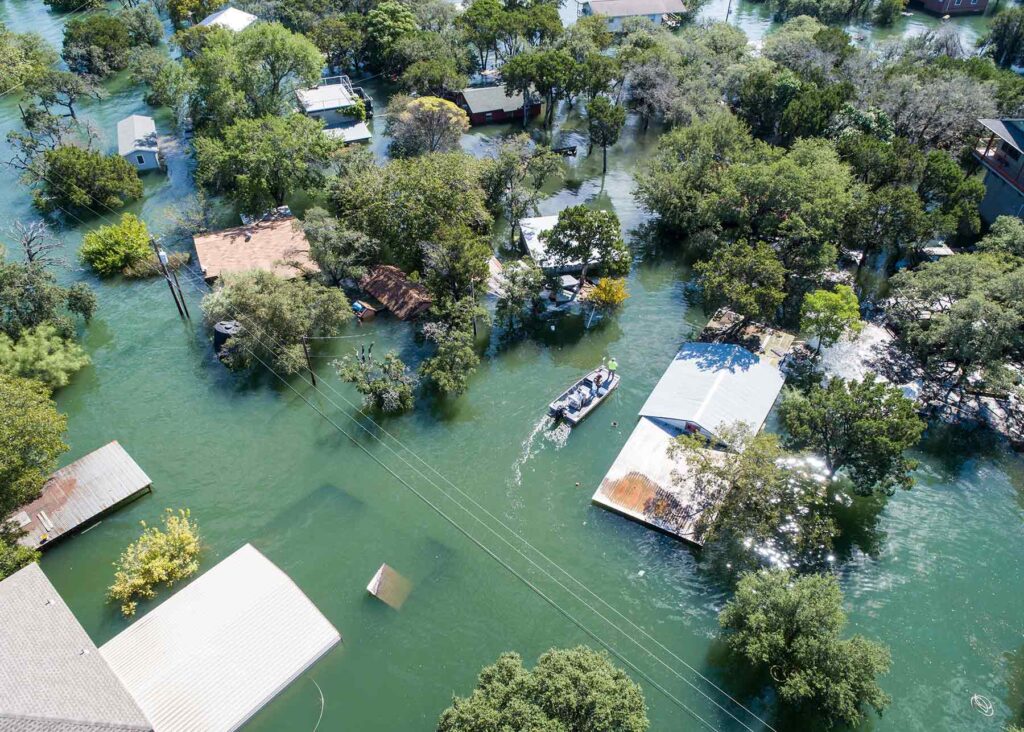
point(78, 495)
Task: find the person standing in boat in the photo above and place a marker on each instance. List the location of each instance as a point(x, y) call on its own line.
point(613, 366)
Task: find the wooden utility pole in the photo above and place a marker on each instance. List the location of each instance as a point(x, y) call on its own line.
point(309, 365)
point(163, 269)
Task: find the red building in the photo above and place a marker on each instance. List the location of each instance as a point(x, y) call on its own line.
point(954, 7)
point(487, 104)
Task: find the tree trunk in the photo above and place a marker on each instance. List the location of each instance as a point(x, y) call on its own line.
point(604, 162)
point(583, 278)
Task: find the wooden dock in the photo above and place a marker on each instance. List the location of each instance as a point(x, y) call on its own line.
point(78, 495)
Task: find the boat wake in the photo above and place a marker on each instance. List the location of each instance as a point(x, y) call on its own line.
point(549, 431)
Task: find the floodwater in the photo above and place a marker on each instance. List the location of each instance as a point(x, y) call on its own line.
point(935, 573)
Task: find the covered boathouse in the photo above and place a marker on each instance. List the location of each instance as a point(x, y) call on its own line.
point(705, 387)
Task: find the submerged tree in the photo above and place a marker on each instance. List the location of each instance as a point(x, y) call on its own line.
point(828, 315)
point(455, 359)
point(605, 120)
point(513, 180)
point(590, 237)
point(519, 287)
point(43, 354)
point(572, 689)
point(339, 252)
point(424, 125)
point(790, 627)
point(749, 279)
point(116, 247)
point(387, 385)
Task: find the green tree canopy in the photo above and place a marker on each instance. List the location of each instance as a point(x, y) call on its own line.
point(748, 278)
point(116, 247)
point(514, 178)
point(591, 237)
point(518, 291)
point(455, 358)
point(30, 297)
point(424, 125)
point(85, 181)
point(43, 354)
point(605, 120)
point(571, 689)
point(339, 252)
point(790, 627)
point(386, 24)
point(830, 314)
point(96, 44)
point(23, 56)
point(386, 384)
point(1006, 37)
point(861, 428)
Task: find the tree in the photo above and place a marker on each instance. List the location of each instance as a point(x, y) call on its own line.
point(1006, 237)
point(30, 443)
point(275, 315)
point(609, 293)
point(589, 237)
point(1006, 37)
point(424, 125)
point(30, 296)
point(158, 557)
point(890, 217)
point(829, 314)
point(260, 162)
point(605, 120)
point(190, 10)
point(341, 39)
point(749, 279)
point(571, 689)
point(790, 626)
point(66, 6)
point(339, 252)
point(385, 26)
point(37, 242)
point(23, 56)
point(513, 180)
point(436, 76)
point(386, 385)
point(553, 71)
point(480, 23)
point(861, 428)
point(88, 181)
point(114, 248)
point(43, 354)
point(518, 290)
point(96, 44)
point(144, 25)
point(455, 263)
point(455, 359)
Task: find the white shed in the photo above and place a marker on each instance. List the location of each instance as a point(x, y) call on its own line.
point(230, 18)
point(137, 142)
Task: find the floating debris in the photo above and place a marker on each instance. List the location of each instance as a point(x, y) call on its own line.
point(389, 587)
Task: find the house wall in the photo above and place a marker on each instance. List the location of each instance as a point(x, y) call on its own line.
point(954, 7)
point(1001, 198)
point(333, 117)
point(500, 115)
point(143, 159)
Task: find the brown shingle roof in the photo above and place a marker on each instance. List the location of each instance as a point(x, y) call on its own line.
point(390, 285)
point(276, 246)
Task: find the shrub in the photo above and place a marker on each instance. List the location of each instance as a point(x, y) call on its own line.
point(87, 179)
point(42, 354)
point(159, 556)
point(111, 249)
point(385, 385)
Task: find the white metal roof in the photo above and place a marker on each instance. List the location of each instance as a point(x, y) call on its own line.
point(531, 229)
point(136, 133)
point(629, 8)
point(218, 650)
point(482, 99)
point(52, 677)
point(714, 384)
point(325, 97)
point(230, 18)
point(358, 132)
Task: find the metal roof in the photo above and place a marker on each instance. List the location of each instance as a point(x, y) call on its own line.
point(628, 8)
point(1008, 130)
point(531, 230)
point(76, 495)
point(136, 133)
point(481, 99)
point(714, 384)
point(52, 677)
point(358, 132)
point(221, 648)
point(230, 18)
point(325, 97)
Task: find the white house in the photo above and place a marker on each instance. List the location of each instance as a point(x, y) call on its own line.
point(334, 102)
point(230, 18)
point(137, 142)
point(616, 11)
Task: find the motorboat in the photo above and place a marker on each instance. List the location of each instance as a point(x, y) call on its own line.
point(584, 396)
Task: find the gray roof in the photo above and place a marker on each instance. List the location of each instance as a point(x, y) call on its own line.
point(230, 18)
point(629, 8)
point(715, 384)
point(1008, 130)
point(481, 99)
point(136, 133)
point(52, 677)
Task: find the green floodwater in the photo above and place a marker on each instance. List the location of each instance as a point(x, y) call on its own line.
point(936, 574)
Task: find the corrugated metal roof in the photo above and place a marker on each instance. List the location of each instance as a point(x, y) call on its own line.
point(136, 133)
point(482, 99)
point(1008, 130)
point(218, 650)
point(714, 384)
point(629, 8)
point(76, 495)
point(52, 677)
point(358, 132)
point(325, 97)
point(230, 18)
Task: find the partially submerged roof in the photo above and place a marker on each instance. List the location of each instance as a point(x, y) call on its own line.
point(276, 245)
point(629, 8)
point(52, 677)
point(715, 384)
point(136, 133)
point(230, 18)
point(531, 229)
point(326, 97)
point(221, 648)
point(358, 132)
point(482, 99)
point(1010, 131)
point(389, 587)
point(80, 493)
point(402, 297)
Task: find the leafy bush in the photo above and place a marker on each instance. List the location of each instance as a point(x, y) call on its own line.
point(609, 293)
point(87, 179)
point(385, 385)
point(96, 44)
point(42, 354)
point(159, 556)
point(111, 249)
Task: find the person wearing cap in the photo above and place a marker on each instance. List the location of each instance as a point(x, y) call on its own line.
point(613, 365)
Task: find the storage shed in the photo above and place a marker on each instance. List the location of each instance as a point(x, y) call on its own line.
point(137, 142)
point(487, 104)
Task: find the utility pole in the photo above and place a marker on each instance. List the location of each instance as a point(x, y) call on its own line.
point(163, 269)
point(309, 365)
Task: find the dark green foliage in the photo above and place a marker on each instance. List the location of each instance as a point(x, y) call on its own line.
point(573, 690)
point(1006, 37)
point(605, 120)
point(455, 359)
point(386, 385)
point(860, 428)
point(85, 181)
point(30, 297)
point(96, 44)
point(749, 279)
point(65, 6)
point(339, 252)
point(520, 284)
point(589, 236)
point(790, 627)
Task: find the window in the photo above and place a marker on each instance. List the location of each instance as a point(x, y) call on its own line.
point(140, 159)
point(488, 116)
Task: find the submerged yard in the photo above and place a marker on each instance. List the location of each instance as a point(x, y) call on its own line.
point(936, 573)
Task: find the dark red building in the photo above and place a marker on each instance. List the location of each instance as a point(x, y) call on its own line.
point(487, 104)
point(954, 7)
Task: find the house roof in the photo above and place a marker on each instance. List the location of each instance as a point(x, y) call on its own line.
point(325, 97)
point(715, 384)
point(276, 246)
point(218, 650)
point(136, 133)
point(1010, 131)
point(79, 493)
point(230, 18)
point(52, 677)
point(628, 8)
point(390, 285)
point(358, 132)
point(482, 99)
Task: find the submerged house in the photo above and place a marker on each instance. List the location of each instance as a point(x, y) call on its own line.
point(490, 104)
point(616, 11)
point(137, 142)
point(231, 18)
point(1000, 151)
point(208, 658)
point(396, 292)
point(337, 103)
point(530, 235)
point(274, 244)
point(954, 7)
